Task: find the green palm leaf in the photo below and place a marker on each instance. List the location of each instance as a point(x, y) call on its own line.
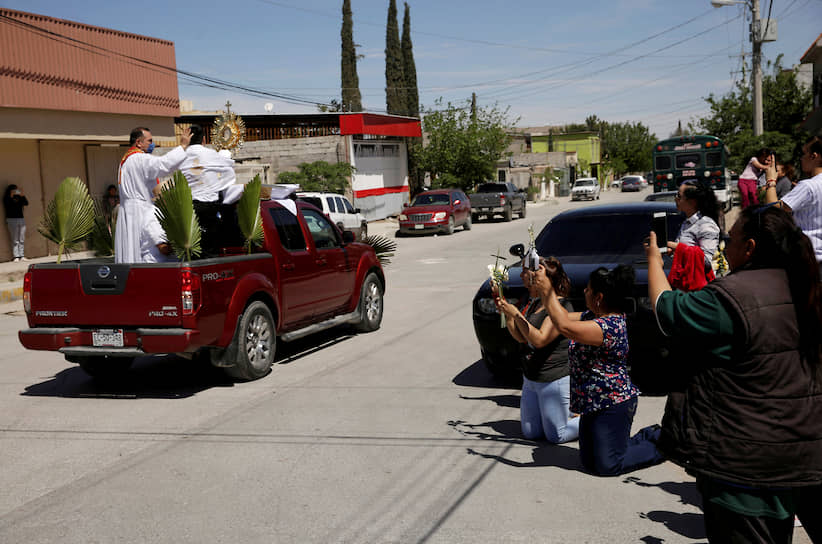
point(175, 211)
point(69, 216)
point(102, 234)
point(248, 214)
point(383, 247)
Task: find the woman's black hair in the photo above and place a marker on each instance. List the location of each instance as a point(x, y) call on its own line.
point(763, 152)
point(9, 189)
point(616, 286)
point(555, 272)
point(705, 198)
point(780, 243)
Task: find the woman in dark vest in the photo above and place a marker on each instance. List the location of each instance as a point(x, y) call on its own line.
point(748, 422)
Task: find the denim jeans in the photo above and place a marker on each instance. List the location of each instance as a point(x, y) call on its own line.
point(606, 447)
point(544, 412)
point(17, 233)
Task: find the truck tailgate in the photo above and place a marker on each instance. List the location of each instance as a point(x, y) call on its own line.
point(100, 294)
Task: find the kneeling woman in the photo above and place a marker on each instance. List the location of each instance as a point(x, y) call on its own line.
point(544, 409)
point(601, 389)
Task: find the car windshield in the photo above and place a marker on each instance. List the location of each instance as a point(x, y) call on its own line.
point(580, 239)
point(427, 200)
point(631, 180)
point(582, 182)
point(492, 188)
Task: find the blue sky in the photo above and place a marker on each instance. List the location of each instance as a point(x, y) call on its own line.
point(549, 62)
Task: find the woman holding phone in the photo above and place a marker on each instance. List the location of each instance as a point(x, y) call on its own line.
point(544, 405)
point(14, 201)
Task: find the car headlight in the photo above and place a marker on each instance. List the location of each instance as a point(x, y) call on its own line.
point(403, 217)
point(439, 216)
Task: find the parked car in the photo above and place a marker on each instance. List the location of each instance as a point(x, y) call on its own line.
point(616, 182)
point(231, 311)
point(631, 183)
point(583, 240)
point(339, 210)
point(585, 189)
point(498, 198)
point(439, 210)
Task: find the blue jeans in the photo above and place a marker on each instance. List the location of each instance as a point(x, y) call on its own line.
point(543, 411)
point(606, 447)
point(17, 233)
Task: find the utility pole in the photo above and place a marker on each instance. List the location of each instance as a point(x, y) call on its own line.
point(756, 41)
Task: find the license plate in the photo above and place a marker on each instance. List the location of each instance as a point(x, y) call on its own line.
point(420, 227)
point(107, 338)
point(689, 172)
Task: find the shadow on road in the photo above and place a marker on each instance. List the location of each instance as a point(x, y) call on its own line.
point(169, 376)
point(687, 524)
point(478, 375)
point(160, 377)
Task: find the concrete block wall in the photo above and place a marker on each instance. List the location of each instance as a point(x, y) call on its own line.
point(286, 155)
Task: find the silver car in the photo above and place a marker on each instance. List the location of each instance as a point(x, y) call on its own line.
point(585, 189)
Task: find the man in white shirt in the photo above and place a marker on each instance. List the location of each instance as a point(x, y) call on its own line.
point(138, 175)
point(209, 174)
point(804, 200)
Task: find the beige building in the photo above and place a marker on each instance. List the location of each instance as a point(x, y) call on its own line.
point(67, 110)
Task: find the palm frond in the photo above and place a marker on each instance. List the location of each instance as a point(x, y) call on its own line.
point(175, 211)
point(102, 234)
point(69, 216)
point(248, 214)
point(383, 247)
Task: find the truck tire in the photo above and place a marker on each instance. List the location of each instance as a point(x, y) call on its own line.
point(475, 217)
point(522, 211)
point(256, 342)
point(371, 304)
point(508, 213)
point(103, 367)
point(450, 228)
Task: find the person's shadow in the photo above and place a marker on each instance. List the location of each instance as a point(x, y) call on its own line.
point(687, 524)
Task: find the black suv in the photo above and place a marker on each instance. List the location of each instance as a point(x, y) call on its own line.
point(583, 240)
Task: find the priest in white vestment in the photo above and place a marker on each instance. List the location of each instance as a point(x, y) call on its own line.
point(139, 172)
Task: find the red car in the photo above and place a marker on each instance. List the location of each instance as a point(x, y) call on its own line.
point(440, 210)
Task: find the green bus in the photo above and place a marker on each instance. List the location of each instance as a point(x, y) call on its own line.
point(700, 157)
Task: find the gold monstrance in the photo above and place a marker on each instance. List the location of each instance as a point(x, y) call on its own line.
point(228, 131)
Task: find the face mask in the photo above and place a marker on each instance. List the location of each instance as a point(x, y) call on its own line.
point(150, 147)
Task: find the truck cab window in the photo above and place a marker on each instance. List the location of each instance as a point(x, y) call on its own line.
point(288, 229)
point(322, 231)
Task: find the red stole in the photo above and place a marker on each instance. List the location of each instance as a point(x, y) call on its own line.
point(131, 151)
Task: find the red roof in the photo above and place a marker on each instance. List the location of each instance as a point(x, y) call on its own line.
point(48, 63)
point(814, 48)
point(383, 125)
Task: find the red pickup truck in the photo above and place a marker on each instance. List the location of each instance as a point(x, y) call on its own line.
point(309, 276)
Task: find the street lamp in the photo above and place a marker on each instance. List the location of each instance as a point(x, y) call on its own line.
point(756, 41)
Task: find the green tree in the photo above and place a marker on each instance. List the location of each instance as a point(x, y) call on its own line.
point(463, 149)
point(320, 176)
point(785, 104)
point(395, 100)
point(409, 69)
point(627, 147)
point(333, 105)
point(350, 82)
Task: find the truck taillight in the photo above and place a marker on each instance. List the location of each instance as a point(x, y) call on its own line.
point(27, 292)
point(502, 200)
point(189, 291)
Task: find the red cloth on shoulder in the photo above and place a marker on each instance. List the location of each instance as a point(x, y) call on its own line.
point(688, 269)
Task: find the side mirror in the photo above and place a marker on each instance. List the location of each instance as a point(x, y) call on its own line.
point(348, 236)
point(517, 250)
point(405, 204)
point(357, 210)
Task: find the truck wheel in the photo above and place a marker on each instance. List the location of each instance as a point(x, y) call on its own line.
point(103, 367)
point(467, 224)
point(450, 228)
point(475, 217)
point(256, 340)
point(371, 305)
point(508, 214)
point(522, 211)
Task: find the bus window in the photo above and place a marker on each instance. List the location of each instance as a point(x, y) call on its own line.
point(714, 158)
point(662, 162)
point(687, 160)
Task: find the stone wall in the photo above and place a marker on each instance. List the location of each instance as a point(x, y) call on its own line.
point(286, 155)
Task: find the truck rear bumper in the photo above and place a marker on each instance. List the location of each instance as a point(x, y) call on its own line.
point(135, 341)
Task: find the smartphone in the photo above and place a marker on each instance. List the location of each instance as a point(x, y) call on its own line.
point(659, 225)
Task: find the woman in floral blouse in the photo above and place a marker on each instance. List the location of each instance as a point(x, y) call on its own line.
point(601, 389)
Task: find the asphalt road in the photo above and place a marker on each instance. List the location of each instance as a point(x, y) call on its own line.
point(394, 436)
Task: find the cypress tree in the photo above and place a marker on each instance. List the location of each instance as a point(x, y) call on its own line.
point(395, 101)
point(350, 83)
point(409, 69)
